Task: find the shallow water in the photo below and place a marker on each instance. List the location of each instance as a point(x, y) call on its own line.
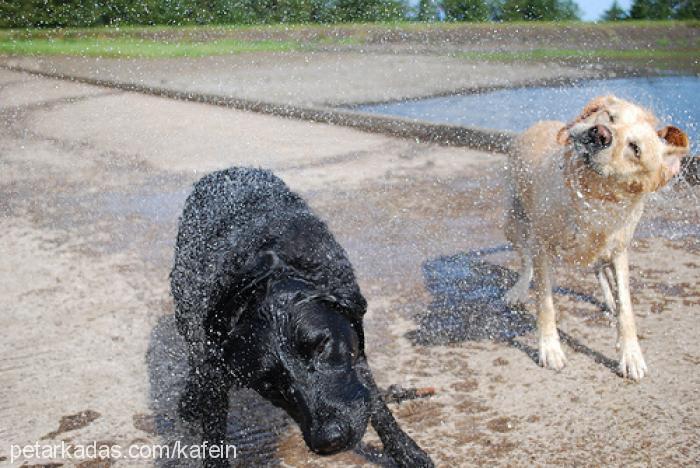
point(674, 99)
point(467, 301)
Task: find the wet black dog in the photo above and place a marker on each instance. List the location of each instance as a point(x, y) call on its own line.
point(267, 299)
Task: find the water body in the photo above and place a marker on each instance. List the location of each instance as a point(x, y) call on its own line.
point(674, 99)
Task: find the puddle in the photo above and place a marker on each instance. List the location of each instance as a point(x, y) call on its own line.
point(142, 222)
point(674, 99)
point(468, 304)
point(73, 422)
point(468, 301)
point(157, 207)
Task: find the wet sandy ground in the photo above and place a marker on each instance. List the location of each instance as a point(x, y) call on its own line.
point(92, 181)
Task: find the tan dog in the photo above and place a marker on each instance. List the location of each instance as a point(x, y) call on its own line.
point(578, 192)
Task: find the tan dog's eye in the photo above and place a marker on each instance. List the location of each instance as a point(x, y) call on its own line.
point(608, 116)
point(635, 149)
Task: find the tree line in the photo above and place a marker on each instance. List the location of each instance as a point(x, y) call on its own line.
point(654, 10)
point(62, 13)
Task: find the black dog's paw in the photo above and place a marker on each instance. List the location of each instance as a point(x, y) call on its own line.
point(408, 454)
point(215, 462)
point(189, 406)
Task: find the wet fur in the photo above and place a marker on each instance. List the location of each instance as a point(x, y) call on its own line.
point(575, 203)
point(256, 277)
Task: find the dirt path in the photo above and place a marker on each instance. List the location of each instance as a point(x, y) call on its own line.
point(92, 181)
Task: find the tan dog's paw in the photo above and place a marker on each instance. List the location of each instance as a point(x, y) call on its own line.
point(551, 354)
point(632, 365)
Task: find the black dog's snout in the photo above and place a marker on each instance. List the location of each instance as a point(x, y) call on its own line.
point(332, 437)
point(600, 136)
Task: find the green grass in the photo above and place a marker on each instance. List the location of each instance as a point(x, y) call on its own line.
point(130, 47)
point(198, 41)
point(566, 54)
point(139, 31)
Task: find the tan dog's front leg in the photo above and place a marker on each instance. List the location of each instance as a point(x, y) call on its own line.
point(632, 363)
point(551, 354)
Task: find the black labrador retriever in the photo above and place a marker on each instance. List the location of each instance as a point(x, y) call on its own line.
point(267, 299)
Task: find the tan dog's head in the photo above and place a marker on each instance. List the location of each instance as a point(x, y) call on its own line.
point(617, 151)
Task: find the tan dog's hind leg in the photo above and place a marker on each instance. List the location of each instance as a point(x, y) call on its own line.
point(632, 363)
point(608, 286)
point(551, 354)
point(519, 292)
point(517, 232)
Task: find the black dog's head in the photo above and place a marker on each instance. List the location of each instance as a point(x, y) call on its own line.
point(298, 347)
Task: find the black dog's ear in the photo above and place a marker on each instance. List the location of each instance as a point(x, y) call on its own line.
point(350, 303)
point(353, 302)
point(261, 266)
point(353, 305)
point(238, 285)
point(349, 300)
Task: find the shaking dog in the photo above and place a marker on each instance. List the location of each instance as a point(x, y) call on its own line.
point(577, 193)
point(267, 299)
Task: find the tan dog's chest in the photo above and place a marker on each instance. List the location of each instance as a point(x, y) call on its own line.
point(579, 231)
point(582, 248)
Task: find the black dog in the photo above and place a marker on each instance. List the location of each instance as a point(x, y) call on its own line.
point(267, 299)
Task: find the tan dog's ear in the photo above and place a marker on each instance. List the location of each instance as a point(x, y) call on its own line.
point(589, 109)
point(563, 135)
point(677, 146)
point(675, 137)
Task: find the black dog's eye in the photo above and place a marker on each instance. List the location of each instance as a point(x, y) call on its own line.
point(635, 149)
point(321, 345)
point(315, 346)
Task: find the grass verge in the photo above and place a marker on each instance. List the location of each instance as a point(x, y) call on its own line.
point(673, 40)
point(131, 47)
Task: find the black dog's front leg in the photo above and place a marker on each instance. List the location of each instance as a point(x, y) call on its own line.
point(205, 401)
point(190, 405)
point(214, 385)
point(398, 444)
point(214, 416)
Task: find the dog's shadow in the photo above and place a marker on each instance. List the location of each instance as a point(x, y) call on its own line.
point(254, 426)
point(467, 305)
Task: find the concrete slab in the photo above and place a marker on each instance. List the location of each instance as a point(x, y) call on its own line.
point(306, 78)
